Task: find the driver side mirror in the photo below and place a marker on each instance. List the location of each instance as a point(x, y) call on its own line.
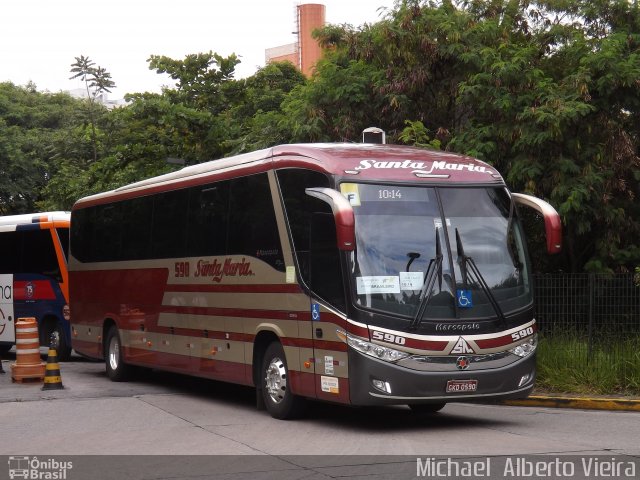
point(342, 214)
point(552, 222)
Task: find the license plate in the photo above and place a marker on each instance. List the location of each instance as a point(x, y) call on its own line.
point(462, 386)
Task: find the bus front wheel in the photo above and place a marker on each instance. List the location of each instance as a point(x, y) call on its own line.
point(117, 370)
point(276, 385)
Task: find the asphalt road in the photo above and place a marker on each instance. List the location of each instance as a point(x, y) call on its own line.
point(164, 414)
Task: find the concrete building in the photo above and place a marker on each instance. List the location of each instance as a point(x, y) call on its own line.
point(305, 52)
point(102, 98)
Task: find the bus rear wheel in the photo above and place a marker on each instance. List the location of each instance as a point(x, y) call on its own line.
point(427, 407)
point(276, 385)
point(117, 370)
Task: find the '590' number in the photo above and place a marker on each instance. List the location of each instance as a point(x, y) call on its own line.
point(522, 334)
point(388, 337)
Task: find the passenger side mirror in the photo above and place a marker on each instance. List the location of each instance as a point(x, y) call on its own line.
point(342, 215)
point(552, 222)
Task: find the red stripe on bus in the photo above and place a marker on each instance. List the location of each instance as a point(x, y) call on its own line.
point(33, 290)
point(494, 342)
point(271, 288)
point(432, 345)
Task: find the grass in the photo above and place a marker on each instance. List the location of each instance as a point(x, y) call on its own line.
point(565, 366)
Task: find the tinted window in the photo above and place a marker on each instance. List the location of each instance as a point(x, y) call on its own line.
point(29, 251)
point(208, 220)
point(106, 233)
point(324, 271)
point(252, 229)
point(63, 235)
point(299, 208)
point(10, 251)
point(137, 216)
point(170, 224)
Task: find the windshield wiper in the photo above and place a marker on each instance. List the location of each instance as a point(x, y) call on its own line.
point(465, 260)
point(434, 269)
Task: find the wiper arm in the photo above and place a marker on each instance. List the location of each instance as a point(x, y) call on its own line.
point(466, 260)
point(427, 287)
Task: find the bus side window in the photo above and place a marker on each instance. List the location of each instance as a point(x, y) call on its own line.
point(10, 252)
point(299, 207)
point(63, 236)
point(106, 233)
point(170, 224)
point(136, 228)
point(208, 220)
point(325, 272)
point(253, 230)
point(39, 255)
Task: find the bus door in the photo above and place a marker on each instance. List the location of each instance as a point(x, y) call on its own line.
point(328, 299)
point(7, 327)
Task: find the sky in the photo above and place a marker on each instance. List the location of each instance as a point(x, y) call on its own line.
point(39, 39)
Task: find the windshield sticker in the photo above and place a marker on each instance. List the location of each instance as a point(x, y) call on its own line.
point(411, 280)
point(465, 300)
point(378, 284)
point(350, 190)
point(437, 222)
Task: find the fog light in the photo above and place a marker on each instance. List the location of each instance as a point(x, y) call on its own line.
point(382, 386)
point(525, 379)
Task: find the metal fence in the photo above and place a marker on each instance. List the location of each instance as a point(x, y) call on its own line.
point(596, 317)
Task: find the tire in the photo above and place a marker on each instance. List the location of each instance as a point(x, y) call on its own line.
point(56, 334)
point(276, 387)
point(117, 369)
point(422, 408)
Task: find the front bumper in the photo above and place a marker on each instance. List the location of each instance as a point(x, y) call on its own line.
point(410, 386)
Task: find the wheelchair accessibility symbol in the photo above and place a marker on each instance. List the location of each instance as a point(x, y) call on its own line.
point(315, 312)
point(465, 300)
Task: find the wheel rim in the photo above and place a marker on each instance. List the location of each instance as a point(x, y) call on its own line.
point(55, 339)
point(114, 353)
point(276, 380)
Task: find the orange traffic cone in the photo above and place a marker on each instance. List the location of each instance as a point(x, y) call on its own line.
point(52, 379)
point(28, 363)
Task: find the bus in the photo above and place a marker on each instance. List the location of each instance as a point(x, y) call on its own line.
point(359, 274)
point(33, 277)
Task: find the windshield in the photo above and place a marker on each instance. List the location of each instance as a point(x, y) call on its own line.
point(471, 237)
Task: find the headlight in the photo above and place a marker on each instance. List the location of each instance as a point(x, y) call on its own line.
point(373, 350)
point(526, 348)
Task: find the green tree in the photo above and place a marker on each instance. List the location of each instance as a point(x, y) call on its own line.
point(97, 82)
point(31, 125)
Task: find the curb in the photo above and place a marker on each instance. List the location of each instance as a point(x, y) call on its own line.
point(584, 403)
